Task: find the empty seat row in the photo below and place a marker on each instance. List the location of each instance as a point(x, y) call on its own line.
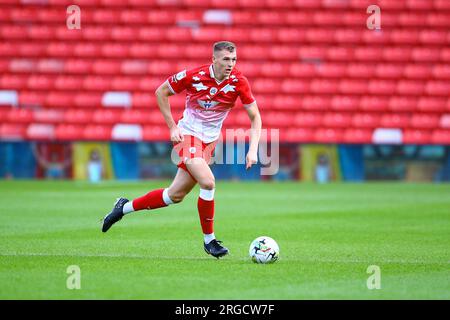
point(164, 68)
point(259, 85)
point(272, 119)
point(96, 132)
point(258, 52)
point(282, 34)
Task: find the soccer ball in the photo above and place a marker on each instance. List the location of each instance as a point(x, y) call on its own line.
point(264, 250)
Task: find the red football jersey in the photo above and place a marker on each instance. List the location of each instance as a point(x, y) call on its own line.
point(208, 100)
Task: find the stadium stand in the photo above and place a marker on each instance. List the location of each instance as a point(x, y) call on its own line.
point(317, 72)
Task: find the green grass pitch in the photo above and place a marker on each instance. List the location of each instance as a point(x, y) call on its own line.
point(328, 236)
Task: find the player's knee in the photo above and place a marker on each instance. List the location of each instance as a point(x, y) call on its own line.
point(208, 184)
point(177, 196)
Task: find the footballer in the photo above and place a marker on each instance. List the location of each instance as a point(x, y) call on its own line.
point(211, 92)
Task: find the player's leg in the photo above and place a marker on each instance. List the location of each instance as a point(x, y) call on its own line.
point(200, 170)
point(159, 198)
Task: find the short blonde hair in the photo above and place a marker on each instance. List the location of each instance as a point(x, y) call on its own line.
point(224, 45)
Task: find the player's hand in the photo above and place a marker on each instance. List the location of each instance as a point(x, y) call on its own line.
point(176, 135)
point(250, 159)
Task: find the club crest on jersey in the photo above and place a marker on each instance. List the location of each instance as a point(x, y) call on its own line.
point(207, 104)
point(213, 91)
point(180, 75)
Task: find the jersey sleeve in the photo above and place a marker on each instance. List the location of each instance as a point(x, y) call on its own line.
point(178, 82)
point(245, 92)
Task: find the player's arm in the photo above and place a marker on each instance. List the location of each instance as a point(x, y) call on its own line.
point(162, 96)
point(255, 134)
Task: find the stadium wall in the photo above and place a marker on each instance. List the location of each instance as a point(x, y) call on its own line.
point(310, 162)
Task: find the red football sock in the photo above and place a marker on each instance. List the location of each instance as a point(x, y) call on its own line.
point(206, 213)
point(151, 200)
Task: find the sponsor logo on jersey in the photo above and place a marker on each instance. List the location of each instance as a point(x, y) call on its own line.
point(207, 104)
point(180, 75)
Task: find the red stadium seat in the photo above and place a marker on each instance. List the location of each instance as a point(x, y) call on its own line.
point(78, 116)
point(88, 100)
point(291, 86)
point(299, 18)
point(417, 71)
point(271, 18)
point(290, 35)
point(12, 131)
point(124, 34)
point(86, 50)
point(115, 50)
point(302, 70)
point(396, 54)
point(345, 103)
point(155, 133)
point(394, 120)
point(441, 71)
point(319, 103)
point(281, 102)
point(106, 67)
point(353, 86)
point(441, 137)
point(40, 82)
point(424, 121)
point(438, 19)
point(15, 82)
point(433, 37)
point(97, 132)
point(442, 4)
point(48, 116)
point(438, 88)
point(357, 136)
point(67, 83)
point(360, 70)
point(402, 104)
point(404, 36)
point(125, 83)
point(80, 66)
point(329, 70)
point(96, 33)
point(337, 120)
point(381, 87)
point(59, 99)
point(366, 120)
point(305, 135)
point(414, 136)
point(308, 120)
point(69, 132)
point(325, 86)
point(267, 86)
point(409, 19)
point(374, 103)
point(389, 70)
point(32, 98)
point(97, 83)
point(106, 116)
point(328, 135)
point(410, 87)
point(20, 116)
point(274, 69)
point(133, 16)
point(425, 54)
point(41, 32)
point(432, 104)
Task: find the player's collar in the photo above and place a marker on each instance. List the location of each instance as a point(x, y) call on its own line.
point(211, 73)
